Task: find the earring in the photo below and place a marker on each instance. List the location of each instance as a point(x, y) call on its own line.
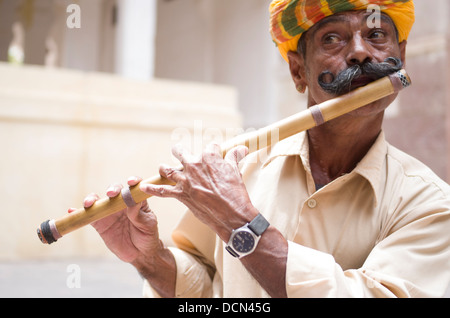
point(301, 89)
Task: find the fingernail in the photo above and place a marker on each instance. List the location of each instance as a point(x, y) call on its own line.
point(112, 191)
point(88, 201)
point(133, 179)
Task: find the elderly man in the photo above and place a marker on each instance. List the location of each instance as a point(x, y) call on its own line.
point(332, 212)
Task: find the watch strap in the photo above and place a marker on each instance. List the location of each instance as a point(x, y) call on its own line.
point(258, 225)
point(232, 251)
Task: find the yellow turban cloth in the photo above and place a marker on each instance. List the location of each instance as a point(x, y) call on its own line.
point(289, 19)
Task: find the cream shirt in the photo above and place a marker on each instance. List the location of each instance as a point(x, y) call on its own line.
point(382, 230)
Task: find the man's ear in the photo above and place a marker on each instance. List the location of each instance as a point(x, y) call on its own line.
point(402, 47)
point(297, 70)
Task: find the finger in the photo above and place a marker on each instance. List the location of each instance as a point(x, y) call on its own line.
point(171, 173)
point(163, 191)
point(70, 210)
point(212, 153)
point(143, 219)
point(113, 190)
point(182, 154)
point(90, 200)
point(133, 180)
point(213, 148)
point(236, 154)
point(133, 212)
point(145, 207)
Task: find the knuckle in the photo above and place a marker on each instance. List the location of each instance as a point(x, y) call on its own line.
point(169, 172)
point(209, 156)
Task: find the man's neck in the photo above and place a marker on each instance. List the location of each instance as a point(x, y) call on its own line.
point(339, 145)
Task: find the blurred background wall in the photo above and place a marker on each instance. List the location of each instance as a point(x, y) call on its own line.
point(93, 93)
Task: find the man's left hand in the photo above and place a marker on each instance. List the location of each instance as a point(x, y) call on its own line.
point(210, 186)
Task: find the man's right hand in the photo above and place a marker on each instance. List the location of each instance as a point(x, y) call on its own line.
point(132, 235)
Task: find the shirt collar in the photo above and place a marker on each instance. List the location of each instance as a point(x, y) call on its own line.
point(291, 146)
point(371, 167)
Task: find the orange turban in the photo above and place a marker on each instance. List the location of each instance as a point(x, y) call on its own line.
point(290, 18)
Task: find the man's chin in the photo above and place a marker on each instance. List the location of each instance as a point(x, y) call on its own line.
point(374, 108)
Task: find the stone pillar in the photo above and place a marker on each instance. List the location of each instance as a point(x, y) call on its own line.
point(135, 38)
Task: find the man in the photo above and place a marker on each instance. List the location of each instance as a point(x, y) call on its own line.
point(333, 212)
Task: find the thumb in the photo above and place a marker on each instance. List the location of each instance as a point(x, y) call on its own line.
point(142, 217)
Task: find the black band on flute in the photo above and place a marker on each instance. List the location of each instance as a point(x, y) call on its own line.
point(45, 234)
point(127, 197)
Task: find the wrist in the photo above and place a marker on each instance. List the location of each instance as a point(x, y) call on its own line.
point(239, 220)
point(151, 264)
point(244, 240)
point(159, 269)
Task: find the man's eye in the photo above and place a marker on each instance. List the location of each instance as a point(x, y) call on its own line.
point(330, 39)
point(377, 35)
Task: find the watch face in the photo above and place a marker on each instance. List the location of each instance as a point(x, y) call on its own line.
point(243, 242)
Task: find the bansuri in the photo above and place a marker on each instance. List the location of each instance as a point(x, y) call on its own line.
point(52, 230)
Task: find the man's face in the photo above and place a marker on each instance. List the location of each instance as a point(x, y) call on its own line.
point(343, 40)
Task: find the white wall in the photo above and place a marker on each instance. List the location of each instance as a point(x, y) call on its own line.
point(227, 42)
point(69, 133)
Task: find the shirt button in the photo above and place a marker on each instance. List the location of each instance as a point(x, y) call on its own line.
point(312, 203)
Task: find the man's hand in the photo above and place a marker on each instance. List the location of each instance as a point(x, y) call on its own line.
point(210, 186)
point(213, 189)
point(129, 233)
point(132, 235)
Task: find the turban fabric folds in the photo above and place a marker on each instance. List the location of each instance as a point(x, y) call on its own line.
point(289, 19)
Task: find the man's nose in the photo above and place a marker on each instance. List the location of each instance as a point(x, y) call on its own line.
point(358, 51)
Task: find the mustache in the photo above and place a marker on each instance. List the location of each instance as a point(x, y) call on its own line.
point(342, 83)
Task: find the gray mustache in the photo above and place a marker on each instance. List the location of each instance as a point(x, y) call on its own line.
point(341, 83)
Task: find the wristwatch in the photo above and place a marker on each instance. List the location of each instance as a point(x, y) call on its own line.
point(243, 241)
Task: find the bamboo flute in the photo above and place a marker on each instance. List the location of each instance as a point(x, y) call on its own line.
point(52, 230)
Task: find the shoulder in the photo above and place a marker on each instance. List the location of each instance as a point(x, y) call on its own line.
point(414, 173)
point(413, 197)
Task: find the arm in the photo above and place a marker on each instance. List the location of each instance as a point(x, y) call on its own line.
point(212, 188)
point(267, 263)
point(398, 266)
point(411, 261)
point(159, 270)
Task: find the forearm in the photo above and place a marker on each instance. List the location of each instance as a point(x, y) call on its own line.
point(159, 270)
point(267, 263)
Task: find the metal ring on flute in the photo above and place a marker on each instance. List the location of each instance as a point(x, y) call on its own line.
point(317, 115)
point(127, 197)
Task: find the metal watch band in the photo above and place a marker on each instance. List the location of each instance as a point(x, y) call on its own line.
point(258, 225)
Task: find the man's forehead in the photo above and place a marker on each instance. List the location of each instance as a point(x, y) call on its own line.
point(347, 16)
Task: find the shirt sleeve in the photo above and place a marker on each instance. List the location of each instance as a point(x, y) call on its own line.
point(412, 261)
point(193, 280)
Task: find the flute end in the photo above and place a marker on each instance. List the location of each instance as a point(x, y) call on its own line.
point(400, 80)
point(45, 234)
point(404, 77)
